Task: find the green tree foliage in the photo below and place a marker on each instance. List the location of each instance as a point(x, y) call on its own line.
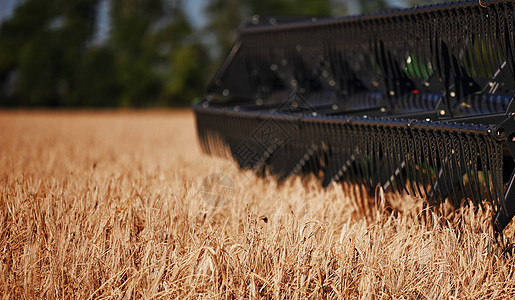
point(152, 55)
point(426, 2)
point(41, 45)
point(187, 74)
point(132, 39)
point(372, 6)
point(290, 7)
point(98, 80)
point(48, 57)
point(226, 16)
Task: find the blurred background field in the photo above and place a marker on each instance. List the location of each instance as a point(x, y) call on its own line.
point(97, 205)
point(131, 53)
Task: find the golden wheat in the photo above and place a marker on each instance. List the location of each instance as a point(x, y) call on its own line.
point(117, 205)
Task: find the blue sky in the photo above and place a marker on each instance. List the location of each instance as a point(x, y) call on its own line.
point(194, 9)
point(6, 8)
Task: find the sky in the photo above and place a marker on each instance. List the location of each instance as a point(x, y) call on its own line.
point(194, 9)
point(6, 8)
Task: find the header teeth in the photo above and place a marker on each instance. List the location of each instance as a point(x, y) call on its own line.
point(435, 163)
point(414, 100)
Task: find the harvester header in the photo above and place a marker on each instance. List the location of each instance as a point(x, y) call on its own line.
point(417, 101)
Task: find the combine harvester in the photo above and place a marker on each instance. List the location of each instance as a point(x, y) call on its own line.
point(417, 101)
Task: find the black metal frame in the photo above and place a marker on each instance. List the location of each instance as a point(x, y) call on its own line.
point(417, 100)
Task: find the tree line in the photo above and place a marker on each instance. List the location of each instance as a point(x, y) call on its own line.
point(52, 56)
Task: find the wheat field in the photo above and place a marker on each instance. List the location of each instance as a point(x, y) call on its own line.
point(102, 205)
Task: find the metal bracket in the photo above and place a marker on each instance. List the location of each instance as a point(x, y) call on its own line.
point(505, 131)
